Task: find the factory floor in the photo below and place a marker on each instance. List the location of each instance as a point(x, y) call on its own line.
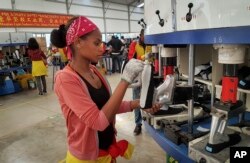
point(32, 129)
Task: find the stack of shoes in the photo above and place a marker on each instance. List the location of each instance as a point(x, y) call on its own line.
point(204, 70)
point(137, 130)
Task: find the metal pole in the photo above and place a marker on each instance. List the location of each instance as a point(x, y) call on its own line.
point(67, 6)
point(174, 24)
point(13, 6)
point(104, 20)
point(191, 83)
point(160, 65)
point(129, 28)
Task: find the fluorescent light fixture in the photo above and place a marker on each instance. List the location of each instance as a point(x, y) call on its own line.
point(141, 5)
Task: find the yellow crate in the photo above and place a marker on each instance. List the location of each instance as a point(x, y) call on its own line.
point(22, 80)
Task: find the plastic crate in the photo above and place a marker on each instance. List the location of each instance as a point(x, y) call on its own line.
point(7, 87)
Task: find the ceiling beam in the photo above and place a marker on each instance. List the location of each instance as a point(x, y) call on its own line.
point(113, 2)
point(130, 4)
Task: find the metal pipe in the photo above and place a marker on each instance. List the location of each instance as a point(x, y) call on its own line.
point(191, 83)
point(104, 20)
point(160, 65)
point(174, 24)
point(129, 28)
point(213, 128)
point(13, 6)
point(67, 6)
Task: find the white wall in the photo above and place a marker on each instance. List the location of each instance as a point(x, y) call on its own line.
point(135, 27)
point(99, 22)
point(86, 11)
point(116, 25)
point(136, 13)
point(5, 4)
point(95, 3)
point(117, 16)
point(7, 30)
point(40, 6)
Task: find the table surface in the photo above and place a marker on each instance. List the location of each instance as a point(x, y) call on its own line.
point(14, 69)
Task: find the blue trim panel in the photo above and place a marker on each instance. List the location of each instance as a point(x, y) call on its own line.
point(230, 35)
point(9, 70)
point(14, 44)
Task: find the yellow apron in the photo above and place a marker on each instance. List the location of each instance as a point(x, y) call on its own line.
point(38, 68)
point(72, 159)
point(104, 156)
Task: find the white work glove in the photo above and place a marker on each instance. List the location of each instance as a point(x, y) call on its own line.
point(137, 82)
point(132, 70)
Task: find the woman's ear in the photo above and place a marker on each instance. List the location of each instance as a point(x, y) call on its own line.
point(77, 42)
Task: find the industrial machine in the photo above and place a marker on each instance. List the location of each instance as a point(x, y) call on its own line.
point(199, 23)
point(215, 146)
point(171, 95)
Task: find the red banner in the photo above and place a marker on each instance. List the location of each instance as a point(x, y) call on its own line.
point(31, 19)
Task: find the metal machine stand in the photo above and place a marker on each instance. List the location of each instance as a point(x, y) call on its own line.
point(223, 110)
point(228, 106)
point(215, 147)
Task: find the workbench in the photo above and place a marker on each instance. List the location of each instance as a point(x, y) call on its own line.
point(180, 152)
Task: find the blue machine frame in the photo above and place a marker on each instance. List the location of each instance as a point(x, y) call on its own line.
point(230, 35)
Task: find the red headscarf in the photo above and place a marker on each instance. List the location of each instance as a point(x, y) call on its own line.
point(79, 27)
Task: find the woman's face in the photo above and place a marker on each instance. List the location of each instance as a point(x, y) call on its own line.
point(90, 48)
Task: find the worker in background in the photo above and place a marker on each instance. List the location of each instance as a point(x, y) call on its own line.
point(64, 59)
point(116, 52)
point(90, 119)
point(59, 57)
point(39, 69)
point(137, 50)
point(1, 54)
point(123, 40)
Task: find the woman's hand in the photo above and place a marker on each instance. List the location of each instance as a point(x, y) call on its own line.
point(156, 107)
point(136, 104)
point(132, 69)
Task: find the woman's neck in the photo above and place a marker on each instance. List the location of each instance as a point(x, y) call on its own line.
point(83, 69)
point(81, 66)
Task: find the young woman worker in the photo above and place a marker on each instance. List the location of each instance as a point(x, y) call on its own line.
point(85, 96)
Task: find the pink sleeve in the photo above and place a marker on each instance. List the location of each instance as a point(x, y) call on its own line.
point(73, 95)
point(124, 107)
